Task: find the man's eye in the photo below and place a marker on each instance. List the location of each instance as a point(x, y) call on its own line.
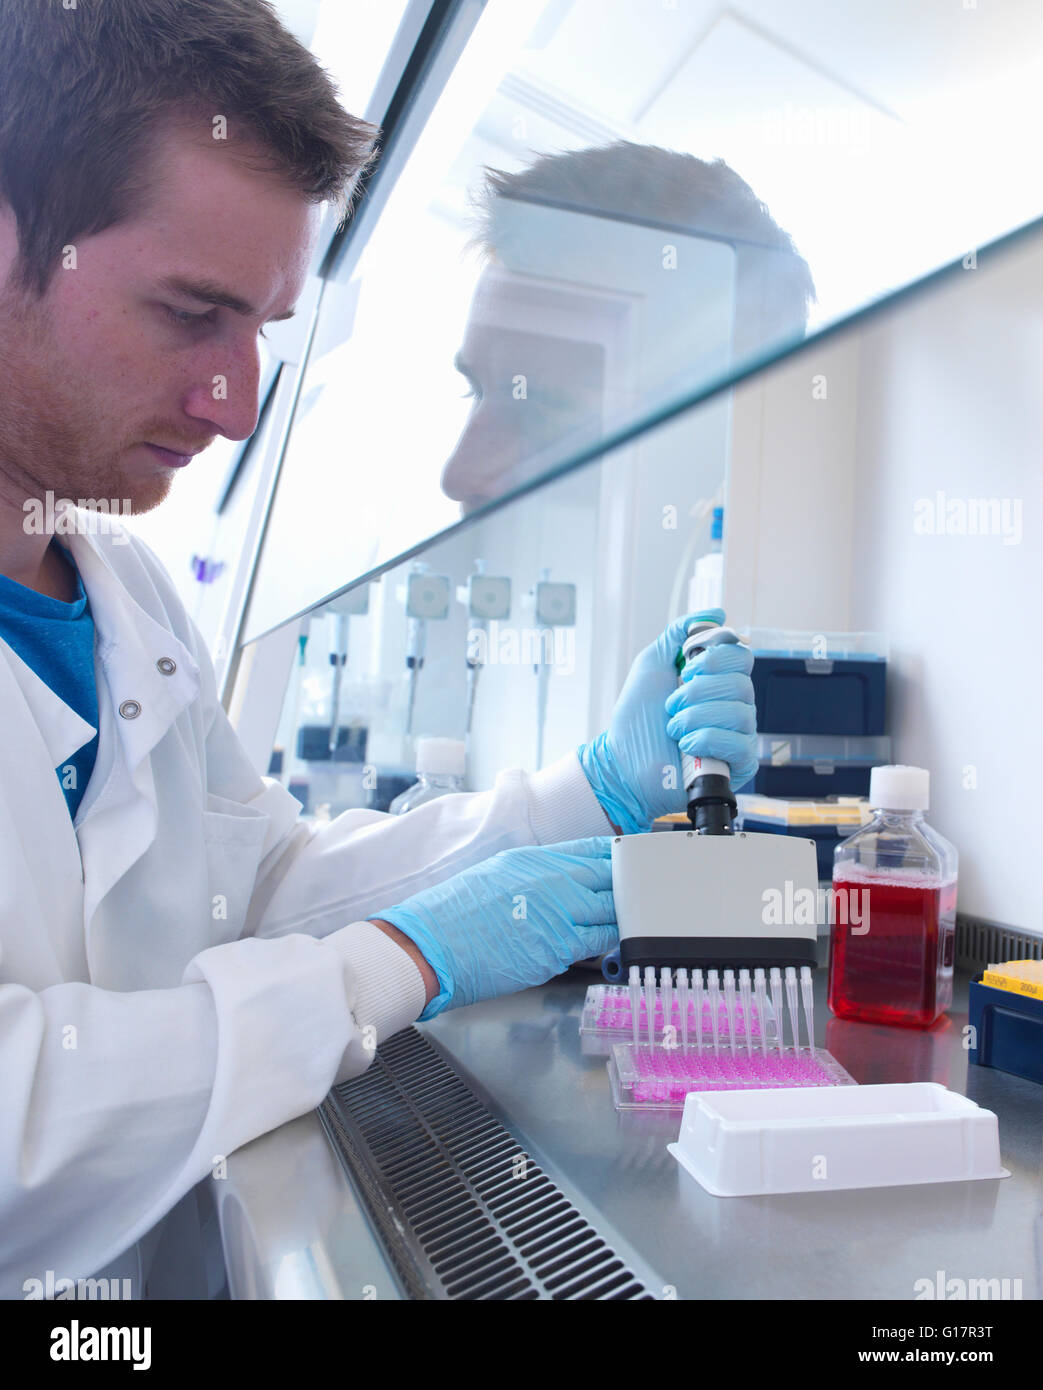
point(183, 317)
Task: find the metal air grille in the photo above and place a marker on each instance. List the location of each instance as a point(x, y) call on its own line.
point(979, 943)
point(462, 1209)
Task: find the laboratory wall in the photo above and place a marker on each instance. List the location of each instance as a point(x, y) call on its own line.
point(888, 479)
point(791, 491)
point(950, 417)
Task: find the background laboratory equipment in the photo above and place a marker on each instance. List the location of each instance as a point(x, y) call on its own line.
point(820, 682)
point(896, 879)
point(706, 587)
point(427, 599)
point(1006, 1018)
point(821, 711)
point(488, 599)
point(555, 607)
point(440, 765)
point(826, 821)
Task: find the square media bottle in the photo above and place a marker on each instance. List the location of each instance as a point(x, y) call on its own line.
point(893, 910)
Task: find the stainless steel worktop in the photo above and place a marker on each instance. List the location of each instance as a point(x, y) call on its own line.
point(293, 1227)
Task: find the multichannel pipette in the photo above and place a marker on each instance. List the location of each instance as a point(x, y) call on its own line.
point(696, 897)
point(690, 906)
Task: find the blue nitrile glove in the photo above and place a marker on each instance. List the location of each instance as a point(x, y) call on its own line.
point(512, 921)
point(635, 767)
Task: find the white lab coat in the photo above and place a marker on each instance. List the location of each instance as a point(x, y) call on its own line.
point(187, 967)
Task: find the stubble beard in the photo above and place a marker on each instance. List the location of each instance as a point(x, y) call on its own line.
point(52, 434)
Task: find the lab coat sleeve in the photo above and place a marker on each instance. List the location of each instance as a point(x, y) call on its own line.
point(364, 861)
point(325, 881)
point(317, 879)
point(115, 1104)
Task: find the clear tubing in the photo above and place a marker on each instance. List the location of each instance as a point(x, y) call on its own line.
point(729, 1004)
point(761, 989)
point(807, 991)
point(697, 988)
point(744, 991)
point(713, 984)
point(791, 998)
point(776, 1003)
point(635, 1001)
point(650, 1002)
point(682, 1003)
point(666, 994)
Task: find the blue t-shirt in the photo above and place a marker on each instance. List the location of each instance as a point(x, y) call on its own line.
point(56, 640)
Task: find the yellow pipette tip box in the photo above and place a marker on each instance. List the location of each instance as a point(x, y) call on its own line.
point(1017, 976)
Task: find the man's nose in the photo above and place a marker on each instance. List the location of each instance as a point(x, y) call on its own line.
point(484, 450)
point(227, 395)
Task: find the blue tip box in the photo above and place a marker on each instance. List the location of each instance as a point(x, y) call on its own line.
point(799, 695)
point(1008, 1030)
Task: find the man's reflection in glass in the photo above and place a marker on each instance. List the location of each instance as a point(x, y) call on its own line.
point(562, 374)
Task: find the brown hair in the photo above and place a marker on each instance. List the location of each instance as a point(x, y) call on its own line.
point(647, 183)
point(85, 90)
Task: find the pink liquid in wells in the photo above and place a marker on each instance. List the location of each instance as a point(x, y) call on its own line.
point(616, 1016)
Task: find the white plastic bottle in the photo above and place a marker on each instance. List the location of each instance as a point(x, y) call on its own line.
point(706, 587)
point(440, 766)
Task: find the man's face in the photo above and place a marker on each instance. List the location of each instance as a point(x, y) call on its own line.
point(98, 369)
point(536, 395)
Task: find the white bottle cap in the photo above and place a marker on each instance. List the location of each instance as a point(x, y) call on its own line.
point(899, 788)
point(441, 757)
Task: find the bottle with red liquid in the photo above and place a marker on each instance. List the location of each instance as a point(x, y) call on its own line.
point(893, 909)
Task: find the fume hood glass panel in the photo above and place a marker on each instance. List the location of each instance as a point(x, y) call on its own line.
point(488, 635)
point(613, 207)
point(391, 446)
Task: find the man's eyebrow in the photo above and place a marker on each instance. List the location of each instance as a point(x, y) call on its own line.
point(462, 366)
point(211, 293)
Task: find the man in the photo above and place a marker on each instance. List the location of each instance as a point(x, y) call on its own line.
point(183, 965)
point(560, 219)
